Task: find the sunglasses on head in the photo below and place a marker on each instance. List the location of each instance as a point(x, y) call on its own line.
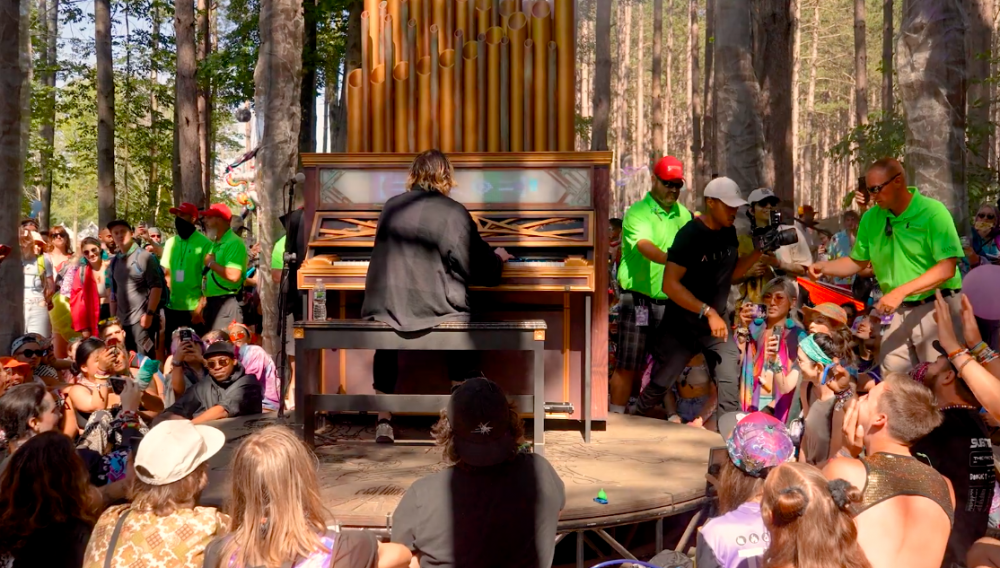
point(29, 353)
point(987, 216)
point(218, 362)
point(877, 188)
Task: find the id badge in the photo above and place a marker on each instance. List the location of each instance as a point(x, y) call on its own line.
point(178, 276)
point(641, 316)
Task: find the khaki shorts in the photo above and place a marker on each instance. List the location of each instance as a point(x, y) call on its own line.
point(911, 334)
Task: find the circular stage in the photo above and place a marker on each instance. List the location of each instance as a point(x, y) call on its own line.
point(649, 469)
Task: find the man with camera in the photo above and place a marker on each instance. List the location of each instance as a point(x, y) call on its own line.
point(701, 265)
point(911, 243)
point(648, 230)
point(785, 246)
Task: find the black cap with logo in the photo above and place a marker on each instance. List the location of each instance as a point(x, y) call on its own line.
point(480, 420)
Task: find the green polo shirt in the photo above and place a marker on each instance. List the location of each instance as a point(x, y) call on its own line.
point(922, 236)
point(646, 220)
point(278, 255)
point(185, 260)
point(230, 252)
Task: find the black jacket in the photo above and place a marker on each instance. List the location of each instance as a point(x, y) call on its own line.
point(240, 395)
point(427, 253)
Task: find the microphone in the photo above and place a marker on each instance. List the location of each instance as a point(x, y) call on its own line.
point(300, 177)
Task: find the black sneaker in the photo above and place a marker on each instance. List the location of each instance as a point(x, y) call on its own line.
point(384, 433)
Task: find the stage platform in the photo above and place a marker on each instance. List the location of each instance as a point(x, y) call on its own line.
point(650, 469)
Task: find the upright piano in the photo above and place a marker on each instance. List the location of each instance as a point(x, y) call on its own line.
point(548, 209)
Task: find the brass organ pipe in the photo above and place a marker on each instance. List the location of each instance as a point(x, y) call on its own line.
point(411, 86)
point(483, 9)
point(439, 19)
point(459, 76)
point(425, 136)
point(529, 91)
point(371, 6)
point(378, 109)
point(382, 11)
point(493, 38)
point(435, 89)
point(417, 15)
point(481, 64)
point(389, 56)
point(449, 26)
point(470, 98)
point(517, 34)
point(551, 112)
point(366, 66)
point(541, 30)
point(462, 16)
point(355, 112)
point(402, 27)
point(504, 95)
point(566, 104)
point(506, 10)
point(447, 108)
point(398, 25)
point(495, 13)
point(526, 10)
point(400, 91)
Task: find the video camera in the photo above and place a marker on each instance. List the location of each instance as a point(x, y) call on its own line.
point(772, 237)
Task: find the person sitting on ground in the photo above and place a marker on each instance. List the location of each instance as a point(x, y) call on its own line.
point(274, 480)
point(231, 392)
point(162, 526)
point(47, 505)
point(758, 443)
point(13, 373)
point(824, 318)
point(694, 397)
point(186, 364)
point(824, 389)
point(26, 411)
point(495, 506)
point(959, 449)
point(809, 520)
point(113, 333)
point(768, 352)
point(906, 509)
point(28, 349)
point(256, 362)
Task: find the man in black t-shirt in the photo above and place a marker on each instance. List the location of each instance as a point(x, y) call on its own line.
point(495, 507)
point(701, 265)
point(959, 449)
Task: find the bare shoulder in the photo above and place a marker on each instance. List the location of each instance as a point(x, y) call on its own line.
point(849, 469)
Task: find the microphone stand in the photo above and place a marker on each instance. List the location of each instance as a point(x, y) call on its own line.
point(287, 259)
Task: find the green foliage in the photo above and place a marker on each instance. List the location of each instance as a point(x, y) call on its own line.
point(884, 135)
point(230, 68)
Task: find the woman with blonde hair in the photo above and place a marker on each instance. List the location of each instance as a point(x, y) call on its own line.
point(427, 253)
point(810, 520)
point(278, 516)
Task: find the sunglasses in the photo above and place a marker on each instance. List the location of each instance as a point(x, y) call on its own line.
point(218, 363)
point(672, 184)
point(29, 353)
point(987, 216)
point(92, 252)
point(877, 188)
point(888, 227)
point(59, 236)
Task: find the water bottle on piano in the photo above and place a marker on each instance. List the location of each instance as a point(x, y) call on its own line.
point(319, 301)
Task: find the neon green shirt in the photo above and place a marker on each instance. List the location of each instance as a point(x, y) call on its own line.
point(278, 255)
point(185, 259)
point(230, 252)
point(646, 220)
point(922, 236)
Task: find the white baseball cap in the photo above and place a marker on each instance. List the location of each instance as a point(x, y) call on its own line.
point(761, 194)
point(173, 449)
point(726, 191)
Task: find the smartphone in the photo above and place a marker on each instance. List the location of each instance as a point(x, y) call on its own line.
point(759, 311)
point(4, 250)
point(186, 335)
point(857, 323)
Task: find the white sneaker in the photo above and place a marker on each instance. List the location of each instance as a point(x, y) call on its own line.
point(384, 433)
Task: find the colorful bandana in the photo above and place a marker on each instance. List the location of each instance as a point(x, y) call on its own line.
point(814, 351)
point(759, 442)
point(919, 373)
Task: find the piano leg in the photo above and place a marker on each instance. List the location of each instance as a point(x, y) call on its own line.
point(539, 399)
point(588, 357)
point(307, 373)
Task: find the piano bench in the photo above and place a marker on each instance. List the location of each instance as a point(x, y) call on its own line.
point(526, 335)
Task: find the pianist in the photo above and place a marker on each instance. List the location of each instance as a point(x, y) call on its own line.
point(427, 253)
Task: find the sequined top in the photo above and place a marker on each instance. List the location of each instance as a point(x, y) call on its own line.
point(893, 475)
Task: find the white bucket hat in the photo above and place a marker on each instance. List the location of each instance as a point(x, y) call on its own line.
point(173, 449)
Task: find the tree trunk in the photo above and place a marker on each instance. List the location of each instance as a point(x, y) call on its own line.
point(11, 168)
point(887, 39)
point(698, 157)
point(860, 67)
point(602, 76)
point(332, 73)
point(204, 49)
point(352, 60)
point(668, 110)
point(932, 71)
point(277, 100)
point(708, 146)
point(979, 43)
point(27, 69)
point(773, 68)
point(105, 114)
point(688, 130)
point(639, 156)
point(186, 101)
point(809, 175)
point(825, 187)
point(657, 85)
point(796, 74)
point(48, 13)
point(153, 185)
point(307, 93)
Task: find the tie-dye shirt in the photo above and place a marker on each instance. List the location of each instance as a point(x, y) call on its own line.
point(258, 363)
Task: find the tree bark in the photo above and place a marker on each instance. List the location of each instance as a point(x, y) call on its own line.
point(153, 185)
point(773, 68)
point(186, 101)
point(932, 72)
point(656, 86)
point(602, 76)
point(277, 82)
point(809, 174)
point(105, 114)
point(668, 110)
point(307, 93)
point(688, 130)
point(48, 14)
point(11, 168)
point(205, 135)
point(979, 42)
point(796, 105)
point(887, 32)
point(639, 156)
point(709, 146)
point(860, 66)
point(697, 156)
point(352, 60)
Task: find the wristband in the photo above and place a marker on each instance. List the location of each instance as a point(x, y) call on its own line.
point(957, 352)
point(704, 311)
point(979, 348)
point(962, 366)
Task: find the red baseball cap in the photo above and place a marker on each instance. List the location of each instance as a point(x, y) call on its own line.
point(12, 363)
point(218, 210)
point(185, 209)
point(669, 168)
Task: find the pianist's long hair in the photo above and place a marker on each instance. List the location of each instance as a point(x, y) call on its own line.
point(431, 171)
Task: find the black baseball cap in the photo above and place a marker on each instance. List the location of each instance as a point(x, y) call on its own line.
point(119, 223)
point(221, 348)
point(480, 420)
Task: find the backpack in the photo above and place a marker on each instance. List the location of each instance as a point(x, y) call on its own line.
point(164, 289)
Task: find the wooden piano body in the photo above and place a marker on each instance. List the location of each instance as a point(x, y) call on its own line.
point(550, 210)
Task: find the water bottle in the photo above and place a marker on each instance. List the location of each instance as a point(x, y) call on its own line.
point(319, 301)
